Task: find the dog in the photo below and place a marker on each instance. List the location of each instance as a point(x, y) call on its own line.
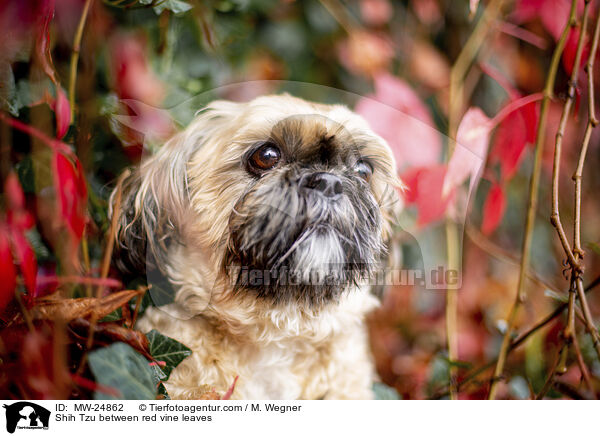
point(267, 218)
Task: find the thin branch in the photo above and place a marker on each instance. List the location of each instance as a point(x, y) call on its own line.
point(587, 316)
point(532, 203)
point(550, 380)
point(457, 75)
point(75, 56)
point(555, 217)
point(576, 253)
point(577, 176)
point(470, 377)
point(585, 372)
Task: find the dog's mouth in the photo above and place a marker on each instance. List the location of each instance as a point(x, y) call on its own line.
point(285, 245)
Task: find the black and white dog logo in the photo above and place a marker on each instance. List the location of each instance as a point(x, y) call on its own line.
point(26, 415)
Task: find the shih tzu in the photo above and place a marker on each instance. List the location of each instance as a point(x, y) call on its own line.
point(267, 218)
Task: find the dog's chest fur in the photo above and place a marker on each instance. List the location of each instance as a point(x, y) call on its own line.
point(277, 357)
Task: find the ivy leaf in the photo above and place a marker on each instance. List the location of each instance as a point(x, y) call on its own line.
point(115, 315)
point(175, 6)
point(119, 366)
point(168, 350)
point(163, 391)
point(158, 375)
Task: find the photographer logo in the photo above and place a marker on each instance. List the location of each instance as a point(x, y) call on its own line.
point(24, 415)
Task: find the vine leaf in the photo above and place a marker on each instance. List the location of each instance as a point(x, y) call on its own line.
point(163, 348)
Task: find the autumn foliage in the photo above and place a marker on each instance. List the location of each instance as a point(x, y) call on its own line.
point(88, 87)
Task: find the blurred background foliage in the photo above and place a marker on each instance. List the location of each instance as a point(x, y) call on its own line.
point(144, 67)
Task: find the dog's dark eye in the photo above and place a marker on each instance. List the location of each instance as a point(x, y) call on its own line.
point(363, 169)
point(265, 158)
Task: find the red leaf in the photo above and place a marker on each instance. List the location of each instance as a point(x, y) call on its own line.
point(570, 51)
point(7, 269)
point(530, 113)
point(14, 193)
point(17, 215)
point(62, 111)
point(513, 134)
point(71, 191)
point(26, 260)
point(43, 42)
point(397, 114)
point(469, 155)
point(493, 209)
point(229, 392)
point(132, 75)
point(552, 13)
point(424, 189)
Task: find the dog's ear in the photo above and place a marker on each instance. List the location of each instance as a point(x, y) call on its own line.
point(154, 198)
point(149, 203)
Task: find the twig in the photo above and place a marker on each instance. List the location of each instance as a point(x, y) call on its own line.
point(53, 280)
point(585, 372)
point(75, 56)
point(452, 305)
point(555, 217)
point(465, 59)
point(550, 380)
point(587, 316)
point(522, 34)
point(457, 75)
point(532, 202)
point(577, 176)
point(519, 340)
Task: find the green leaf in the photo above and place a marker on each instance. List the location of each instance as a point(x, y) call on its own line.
point(162, 390)
point(175, 6)
point(163, 348)
point(115, 315)
point(121, 367)
point(157, 374)
point(385, 392)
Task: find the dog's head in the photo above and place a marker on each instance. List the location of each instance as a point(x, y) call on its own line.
point(290, 200)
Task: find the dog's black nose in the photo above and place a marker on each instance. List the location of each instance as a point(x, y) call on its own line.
point(328, 184)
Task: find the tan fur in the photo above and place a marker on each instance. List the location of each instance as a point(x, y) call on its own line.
point(286, 351)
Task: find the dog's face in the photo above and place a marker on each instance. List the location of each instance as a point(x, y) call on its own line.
point(291, 201)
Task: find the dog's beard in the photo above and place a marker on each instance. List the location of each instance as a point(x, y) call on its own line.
point(288, 243)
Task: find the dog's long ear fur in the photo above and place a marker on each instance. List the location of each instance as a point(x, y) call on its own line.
point(155, 197)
